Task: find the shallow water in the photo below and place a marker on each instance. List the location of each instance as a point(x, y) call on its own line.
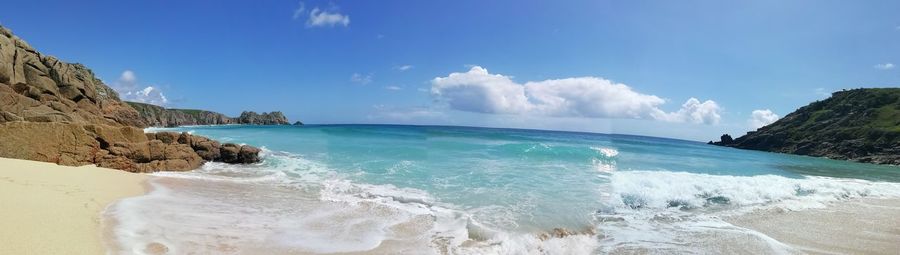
point(458, 190)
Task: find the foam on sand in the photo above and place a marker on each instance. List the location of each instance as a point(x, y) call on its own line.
point(677, 212)
point(291, 205)
point(51, 209)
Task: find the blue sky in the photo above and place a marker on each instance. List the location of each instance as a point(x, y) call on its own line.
point(602, 66)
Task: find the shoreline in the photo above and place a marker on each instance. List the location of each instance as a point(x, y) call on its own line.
point(54, 209)
point(857, 226)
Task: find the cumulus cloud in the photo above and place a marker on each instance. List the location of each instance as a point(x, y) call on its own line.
point(404, 67)
point(129, 89)
point(692, 111)
point(885, 66)
point(319, 18)
point(761, 118)
point(480, 91)
point(361, 79)
point(393, 88)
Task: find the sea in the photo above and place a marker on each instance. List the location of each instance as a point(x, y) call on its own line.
point(395, 189)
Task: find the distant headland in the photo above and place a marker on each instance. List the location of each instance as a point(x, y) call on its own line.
point(861, 125)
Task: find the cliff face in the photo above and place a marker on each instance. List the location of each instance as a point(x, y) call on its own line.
point(158, 116)
point(40, 88)
point(60, 112)
point(161, 117)
point(860, 125)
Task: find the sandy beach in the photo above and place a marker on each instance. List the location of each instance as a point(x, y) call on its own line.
point(864, 226)
point(53, 209)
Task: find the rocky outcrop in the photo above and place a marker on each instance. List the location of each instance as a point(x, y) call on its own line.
point(266, 118)
point(40, 88)
point(59, 112)
point(724, 140)
point(158, 116)
point(859, 124)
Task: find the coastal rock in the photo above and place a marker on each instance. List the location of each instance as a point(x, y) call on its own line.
point(60, 112)
point(239, 154)
point(230, 153)
point(723, 140)
point(124, 148)
point(859, 124)
point(248, 154)
point(271, 118)
point(298, 123)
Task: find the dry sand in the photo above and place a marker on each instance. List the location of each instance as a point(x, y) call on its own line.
point(51, 209)
point(865, 226)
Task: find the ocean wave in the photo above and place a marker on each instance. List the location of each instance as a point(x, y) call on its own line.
point(291, 204)
point(663, 190)
point(676, 212)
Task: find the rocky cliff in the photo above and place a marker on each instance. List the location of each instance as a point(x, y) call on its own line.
point(161, 117)
point(860, 125)
point(266, 118)
point(158, 116)
point(60, 112)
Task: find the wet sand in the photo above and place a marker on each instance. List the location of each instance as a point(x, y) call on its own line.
point(862, 226)
point(51, 209)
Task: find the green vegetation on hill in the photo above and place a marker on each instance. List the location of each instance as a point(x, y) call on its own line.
point(859, 124)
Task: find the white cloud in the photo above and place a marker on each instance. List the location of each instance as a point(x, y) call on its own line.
point(393, 88)
point(480, 91)
point(319, 18)
point(760, 118)
point(404, 68)
point(885, 66)
point(692, 111)
point(130, 90)
point(148, 95)
point(361, 79)
point(128, 78)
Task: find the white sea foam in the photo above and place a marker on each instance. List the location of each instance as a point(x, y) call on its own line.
point(678, 212)
point(295, 205)
point(607, 152)
point(654, 189)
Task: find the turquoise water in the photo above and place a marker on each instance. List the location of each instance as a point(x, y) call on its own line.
point(462, 190)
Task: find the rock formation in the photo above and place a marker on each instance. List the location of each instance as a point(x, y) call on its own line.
point(158, 116)
point(59, 112)
point(271, 118)
point(859, 124)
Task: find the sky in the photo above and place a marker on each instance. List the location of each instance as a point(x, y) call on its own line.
point(680, 69)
